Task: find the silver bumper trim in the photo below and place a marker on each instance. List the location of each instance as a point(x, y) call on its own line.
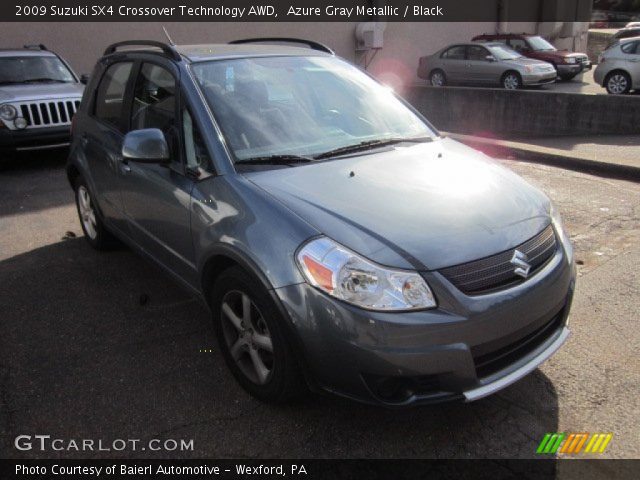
point(485, 390)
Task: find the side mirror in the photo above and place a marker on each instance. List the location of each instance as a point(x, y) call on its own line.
point(145, 146)
point(84, 78)
point(490, 58)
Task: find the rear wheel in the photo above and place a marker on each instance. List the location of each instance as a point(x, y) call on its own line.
point(437, 78)
point(511, 81)
point(92, 225)
point(618, 83)
point(252, 339)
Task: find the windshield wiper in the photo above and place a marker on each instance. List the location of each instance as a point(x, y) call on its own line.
point(274, 160)
point(369, 144)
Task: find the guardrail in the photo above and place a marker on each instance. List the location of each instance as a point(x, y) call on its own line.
point(478, 111)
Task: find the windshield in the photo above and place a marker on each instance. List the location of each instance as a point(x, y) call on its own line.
point(502, 52)
point(28, 69)
point(303, 106)
point(539, 44)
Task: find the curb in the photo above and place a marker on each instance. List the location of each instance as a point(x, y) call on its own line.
point(595, 167)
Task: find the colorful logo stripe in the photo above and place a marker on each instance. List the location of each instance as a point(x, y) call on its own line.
point(573, 443)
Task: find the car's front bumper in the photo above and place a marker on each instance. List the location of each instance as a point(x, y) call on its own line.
point(34, 138)
point(573, 68)
point(467, 348)
point(535, 79)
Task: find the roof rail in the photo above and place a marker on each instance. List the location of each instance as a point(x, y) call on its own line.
point(310, 43)
point(39, 46)
point(168, 50)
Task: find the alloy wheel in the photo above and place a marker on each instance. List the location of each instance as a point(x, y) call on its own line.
point(511, 82)
point(247, 336)
point(437, 79)
point(87, 212)
point(617, 84)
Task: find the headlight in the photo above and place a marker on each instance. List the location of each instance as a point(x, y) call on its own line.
point(560, 230)
point(347, 276)
point(8, 112)
point(570, 60)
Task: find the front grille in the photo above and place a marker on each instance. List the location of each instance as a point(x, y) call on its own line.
point(49, 113)
point(497, 271)
point(492, 362)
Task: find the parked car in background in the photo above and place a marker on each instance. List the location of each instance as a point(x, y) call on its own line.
point(567, 64)
point(339, 241)
point(623, 33)
point(632, 25)
point(484, 64)
point(618, 67)
point(39, 94)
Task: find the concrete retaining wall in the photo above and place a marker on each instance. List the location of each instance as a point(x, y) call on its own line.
point(502, 113)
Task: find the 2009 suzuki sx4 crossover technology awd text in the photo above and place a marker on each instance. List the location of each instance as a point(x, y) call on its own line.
point(340, 242)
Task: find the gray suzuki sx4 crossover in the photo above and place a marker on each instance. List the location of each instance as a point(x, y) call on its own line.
point(339, 241)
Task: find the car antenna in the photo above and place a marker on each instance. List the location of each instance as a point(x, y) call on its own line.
point(171, 42)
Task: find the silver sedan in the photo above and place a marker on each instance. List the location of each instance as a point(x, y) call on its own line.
point(484, 64)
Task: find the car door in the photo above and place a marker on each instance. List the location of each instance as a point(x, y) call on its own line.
point(481, 70)
point(453, 62)
point(156, 196)
point(101, 138)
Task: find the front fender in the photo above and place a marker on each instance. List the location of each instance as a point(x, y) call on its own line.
point(232, 217)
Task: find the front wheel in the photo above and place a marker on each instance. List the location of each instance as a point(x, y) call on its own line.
point(511, 81)
point(251, 336)
point(618, 83)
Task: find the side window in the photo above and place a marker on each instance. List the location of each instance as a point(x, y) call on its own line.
point(110, 94)
point(454, 53)
point(195, 150)
point(154, 99)
point(478, 53)
point(631, 48)
point(518, 44)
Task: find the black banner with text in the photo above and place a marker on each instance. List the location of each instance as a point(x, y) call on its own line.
point(320, 469)
point(296, 11)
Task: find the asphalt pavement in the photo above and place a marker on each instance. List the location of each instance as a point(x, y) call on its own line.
point(106, 346)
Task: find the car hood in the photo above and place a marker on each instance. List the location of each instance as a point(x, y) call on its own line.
point(551, 54)
point(423, 206)
point(39, 91)
point(524, 61)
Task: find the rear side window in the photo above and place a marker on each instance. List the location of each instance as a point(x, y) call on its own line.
point(111, 92)
point(631, 47)
point(455, 53)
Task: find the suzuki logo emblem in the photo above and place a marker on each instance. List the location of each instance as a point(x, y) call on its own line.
point(519, 260)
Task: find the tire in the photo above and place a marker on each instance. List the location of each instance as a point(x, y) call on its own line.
point(511, 81)
point(617, 83)
point(437, 78)
point(91, 221)
point(254, 345)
